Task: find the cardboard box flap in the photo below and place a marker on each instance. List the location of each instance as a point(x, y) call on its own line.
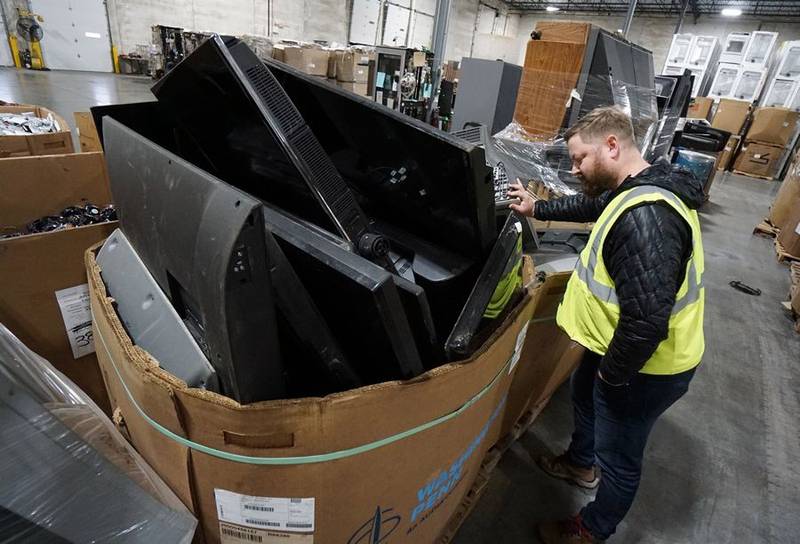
point(32, 187)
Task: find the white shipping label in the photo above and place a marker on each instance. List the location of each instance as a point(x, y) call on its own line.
point(797, 228)
point(274, 513)
point(518, 347)
point(77, 314)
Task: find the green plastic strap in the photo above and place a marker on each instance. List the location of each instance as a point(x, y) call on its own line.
point(304, 459)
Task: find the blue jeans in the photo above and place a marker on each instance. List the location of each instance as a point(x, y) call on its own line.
point(611, 429)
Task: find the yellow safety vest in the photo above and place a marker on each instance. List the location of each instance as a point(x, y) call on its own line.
point(589, 313)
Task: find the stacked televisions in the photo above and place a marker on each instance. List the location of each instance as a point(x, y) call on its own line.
point(361, 276)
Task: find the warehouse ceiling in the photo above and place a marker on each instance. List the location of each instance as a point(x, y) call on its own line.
point(751, 8)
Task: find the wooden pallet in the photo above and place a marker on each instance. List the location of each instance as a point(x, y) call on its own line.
point(751, 175)
point(766, 229)
point(795, 316)
point(490, 462)
point(794, 276)
point(782, 256)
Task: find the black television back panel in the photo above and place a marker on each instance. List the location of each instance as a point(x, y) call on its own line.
point(203, 242)
point(497, 290)
point(254, 137)
point(418, 178)
point(315, 363)
point(358, 299)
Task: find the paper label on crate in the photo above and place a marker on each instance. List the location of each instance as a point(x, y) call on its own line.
point(518, 347)
point(230, 533)
point(77, 314)
point(273, 513)
point(797, 228)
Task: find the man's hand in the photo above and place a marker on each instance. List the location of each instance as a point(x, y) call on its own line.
point(526, 204)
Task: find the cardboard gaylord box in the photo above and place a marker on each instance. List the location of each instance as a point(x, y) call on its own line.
point(396, 456)
point(700, 108)
point(788, 198)
point(44, 295)
point(774, 126)
point(731, 115)
point(758, 160)
point(48, 143)
point(311, 60)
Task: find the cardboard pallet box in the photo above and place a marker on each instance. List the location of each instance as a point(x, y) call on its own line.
point(49, 143)
point(725, 159)
point(731, 115)
point(353, 67)
point(773, 126)
point(402, 455)
point(789, 236)
point(87, 132)
point(44, 295)
point(548, 356)
point(311, 60)
point(700, 108)
point(788, 198)
point(758, 160)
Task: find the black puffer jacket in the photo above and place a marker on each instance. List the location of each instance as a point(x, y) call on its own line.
point(645, 253)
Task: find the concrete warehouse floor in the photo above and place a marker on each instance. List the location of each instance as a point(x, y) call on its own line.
point(721, 465)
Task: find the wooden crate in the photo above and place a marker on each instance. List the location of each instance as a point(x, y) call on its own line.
point(549, 76)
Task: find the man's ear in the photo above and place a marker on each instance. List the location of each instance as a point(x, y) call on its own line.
point(613, 146)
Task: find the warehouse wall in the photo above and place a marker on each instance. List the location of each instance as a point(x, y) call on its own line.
point(655, 33)
point(131, 20)
point(462, 39)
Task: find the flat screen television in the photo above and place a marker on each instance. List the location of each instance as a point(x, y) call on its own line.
point(360, 300)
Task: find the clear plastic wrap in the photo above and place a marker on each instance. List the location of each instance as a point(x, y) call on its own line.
point(66, 473)
point(533, 148)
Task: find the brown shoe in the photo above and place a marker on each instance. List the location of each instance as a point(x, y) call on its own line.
point(559, 467)
point(569, 531)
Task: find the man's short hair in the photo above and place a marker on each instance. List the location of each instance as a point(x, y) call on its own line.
point(600, 123)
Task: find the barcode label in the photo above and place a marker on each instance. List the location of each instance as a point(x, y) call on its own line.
point(238, 535)
point(291, 514)
point(259, 508)
point(262, 523)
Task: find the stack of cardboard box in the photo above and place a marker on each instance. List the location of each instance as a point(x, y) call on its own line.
point(311, 59)
point(731, 116)
point(771, 135)
point(352, 70)
point(44, 300)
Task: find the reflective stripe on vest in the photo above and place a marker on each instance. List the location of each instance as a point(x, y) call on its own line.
point(589, 312)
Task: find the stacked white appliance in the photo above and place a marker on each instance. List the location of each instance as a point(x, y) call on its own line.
point(743, 65)
point(783, 89)
point(698, 54)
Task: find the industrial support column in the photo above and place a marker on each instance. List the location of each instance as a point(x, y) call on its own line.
point(629, 18)
point(678, 27)
point(439, 41)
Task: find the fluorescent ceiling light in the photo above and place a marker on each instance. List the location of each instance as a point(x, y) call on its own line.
point(92, 35)
point(731, 12)
point(552, 8)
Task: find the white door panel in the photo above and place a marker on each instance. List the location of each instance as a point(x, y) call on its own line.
point(395, 31)
point(364, 21)
point(75, 34)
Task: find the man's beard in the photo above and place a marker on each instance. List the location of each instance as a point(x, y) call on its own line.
point(601, 181)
